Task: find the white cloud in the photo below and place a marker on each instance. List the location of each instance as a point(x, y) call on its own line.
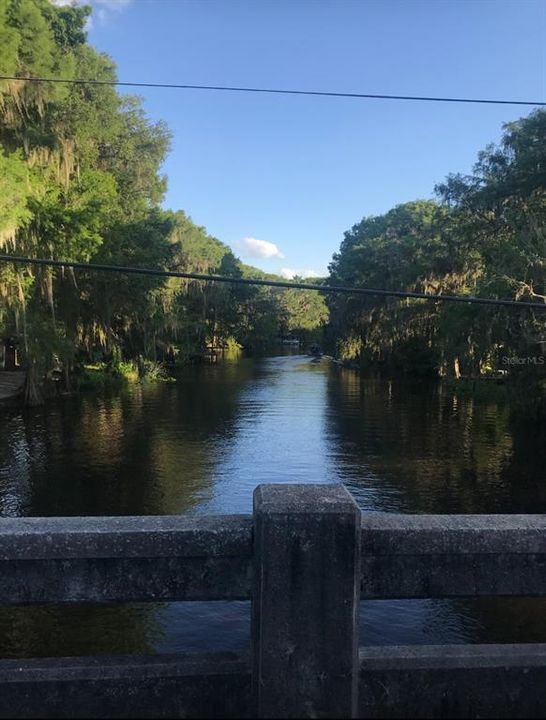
point(102, 8)
point(260, 248)
point(290, 273)
point(113, 4)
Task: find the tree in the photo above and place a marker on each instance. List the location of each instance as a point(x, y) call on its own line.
point(485, 237)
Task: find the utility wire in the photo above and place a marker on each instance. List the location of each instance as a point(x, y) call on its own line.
point(277, 91)
point(272, 283)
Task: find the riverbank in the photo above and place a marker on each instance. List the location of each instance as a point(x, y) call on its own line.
point(99, 375)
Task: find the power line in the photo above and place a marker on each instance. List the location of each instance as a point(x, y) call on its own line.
point(278, 91)
point(272, 283)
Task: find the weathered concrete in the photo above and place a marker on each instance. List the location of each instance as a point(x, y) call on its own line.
point(299, 560)
point(418, 556)
point(305, 607)
point(125, 559)
point(148, 536)
point(124, 580)
point(201, 686)
point(453, 681)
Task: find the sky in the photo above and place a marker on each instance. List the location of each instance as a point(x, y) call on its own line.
point(281, 178)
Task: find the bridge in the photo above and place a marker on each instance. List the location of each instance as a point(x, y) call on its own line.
point(305, 558)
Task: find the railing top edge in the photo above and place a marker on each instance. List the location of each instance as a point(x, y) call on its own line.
point(94, 522)
point(125, 536)
point(385, 534)
point(392, 522)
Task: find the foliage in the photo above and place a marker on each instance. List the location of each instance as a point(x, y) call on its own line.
point(484, 236)
point(80, 180)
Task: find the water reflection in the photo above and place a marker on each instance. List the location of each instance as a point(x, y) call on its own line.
point(201, 446)
point(427, 450)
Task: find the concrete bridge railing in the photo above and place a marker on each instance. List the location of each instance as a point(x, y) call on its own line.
point(305, 558)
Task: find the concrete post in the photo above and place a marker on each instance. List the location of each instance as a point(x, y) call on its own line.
point(305, 602)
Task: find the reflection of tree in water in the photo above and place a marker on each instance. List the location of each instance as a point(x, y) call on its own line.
point(526, 474)
point(146, 450)
point(58, 631)
point(444, 454)
point(506, 620)
point(517, 619)
point(440, 452)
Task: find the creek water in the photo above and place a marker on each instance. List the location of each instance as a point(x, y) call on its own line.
point(202, 444)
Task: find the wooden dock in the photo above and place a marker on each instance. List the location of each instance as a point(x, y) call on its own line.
point(11, 384)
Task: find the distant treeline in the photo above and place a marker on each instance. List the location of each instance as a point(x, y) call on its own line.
point(80, 180)
point(485, 235)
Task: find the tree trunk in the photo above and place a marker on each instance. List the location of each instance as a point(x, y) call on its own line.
point(457, 368)
point(33, 392)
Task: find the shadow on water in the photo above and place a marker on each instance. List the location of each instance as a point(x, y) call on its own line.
point(202, 445)
point(429, 451)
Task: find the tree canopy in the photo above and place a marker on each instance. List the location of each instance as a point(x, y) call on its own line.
point(485, 236)
point(81, 180)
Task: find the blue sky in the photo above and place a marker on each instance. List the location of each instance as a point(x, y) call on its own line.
point(299, 171)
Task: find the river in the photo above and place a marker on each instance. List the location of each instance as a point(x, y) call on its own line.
point(201, 445)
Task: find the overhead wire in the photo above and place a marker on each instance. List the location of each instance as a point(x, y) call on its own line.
point(277, 91)
point(323, 288)
point(266, 282)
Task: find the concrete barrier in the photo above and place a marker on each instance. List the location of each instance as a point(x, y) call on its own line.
point(305, 558)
